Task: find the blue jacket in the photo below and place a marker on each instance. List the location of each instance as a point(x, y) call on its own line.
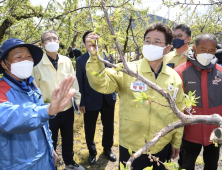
point(91, 99)
point(25, 138)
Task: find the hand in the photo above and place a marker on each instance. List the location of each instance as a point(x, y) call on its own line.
point(82, 109)
point(175, 153)
point(61, 96)
point(55, 157)
point(91, 47)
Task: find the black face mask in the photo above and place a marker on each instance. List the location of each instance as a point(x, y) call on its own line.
point(177, 43)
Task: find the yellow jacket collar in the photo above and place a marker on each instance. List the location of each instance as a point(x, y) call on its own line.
point(184, 54)
point(145, 67)
point(46, 61)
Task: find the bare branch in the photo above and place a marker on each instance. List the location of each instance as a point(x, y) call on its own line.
point(127, 34)
point(8, 23)
point(211, 119)
point(197, 4)
point(138, 47)
point(97, 6)
point(2, 1)
point(39, 21)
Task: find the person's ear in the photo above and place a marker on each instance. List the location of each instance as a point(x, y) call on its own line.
point(4, 65)
point(167, 49)
point(215, 51)
point(195, 50)
point(43, 45)
point(189, 38)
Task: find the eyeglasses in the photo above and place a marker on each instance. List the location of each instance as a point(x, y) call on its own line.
point(179, 36)
point(49, 39)
point(154, 43)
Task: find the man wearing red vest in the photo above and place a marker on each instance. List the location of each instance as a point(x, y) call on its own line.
point(202, 73)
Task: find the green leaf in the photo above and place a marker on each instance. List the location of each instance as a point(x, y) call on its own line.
point(145, 137)
point(148, 168)
point(98, 30)
point(93, 41)
point(137, 100)
point(215, 144)
point(190, 99)
point(130, 151)
point(121, 166)
point(119, 69)
point(144, 95)
point(176, 166)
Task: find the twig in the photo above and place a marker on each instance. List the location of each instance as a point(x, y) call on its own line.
point(181, 3)
point(39, 21)
point(194, 119)
point(159, 103)
point(2, 1)
point(156, 159)
point(97, 6)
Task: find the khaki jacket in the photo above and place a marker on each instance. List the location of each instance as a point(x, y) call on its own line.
point(174, 57)
point(146, 119)
point(47, 78)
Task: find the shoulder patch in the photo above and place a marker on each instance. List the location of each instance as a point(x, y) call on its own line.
point(4, 88)
point(218, 67)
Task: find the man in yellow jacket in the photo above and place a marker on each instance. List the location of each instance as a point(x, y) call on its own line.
point(48, 74)
point(181, 39)
point(146, 119)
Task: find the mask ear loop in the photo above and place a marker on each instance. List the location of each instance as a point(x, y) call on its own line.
point(164, 48)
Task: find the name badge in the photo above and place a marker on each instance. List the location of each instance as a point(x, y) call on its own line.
point(138, 86)
point(175, 93)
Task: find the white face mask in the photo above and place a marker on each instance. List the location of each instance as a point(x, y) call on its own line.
point(52, 47)
point(205, 58)
point(23, 69)
point(153, 52)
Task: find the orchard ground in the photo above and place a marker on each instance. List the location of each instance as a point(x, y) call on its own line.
point(81, 151)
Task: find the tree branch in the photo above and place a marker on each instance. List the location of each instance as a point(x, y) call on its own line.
point(194, 119)
point(138, 47)
point(127, 34)
point(2, 1)
point(97, 6)
point(8, 23)
point(184, 3)
point(39, 21)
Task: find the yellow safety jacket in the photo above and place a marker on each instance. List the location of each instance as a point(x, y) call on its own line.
point(175, 58)
point(47, 78)
point(146, 119)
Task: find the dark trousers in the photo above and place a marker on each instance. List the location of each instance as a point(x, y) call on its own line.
point(190, 152)
point(143, 161)
point(64, 121)
point(107, 117)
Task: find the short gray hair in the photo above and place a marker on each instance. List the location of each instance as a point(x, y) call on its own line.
point(51, 31)
point(205, 36)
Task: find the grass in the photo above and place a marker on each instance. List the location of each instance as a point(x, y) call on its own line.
point(80, 148)
point(81, 151)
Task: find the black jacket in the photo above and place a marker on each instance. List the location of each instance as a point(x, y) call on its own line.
point(91, 99)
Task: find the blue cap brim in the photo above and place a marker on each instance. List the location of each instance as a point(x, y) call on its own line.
point(35, 51)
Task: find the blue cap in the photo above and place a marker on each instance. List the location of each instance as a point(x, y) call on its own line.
point(12, 43)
